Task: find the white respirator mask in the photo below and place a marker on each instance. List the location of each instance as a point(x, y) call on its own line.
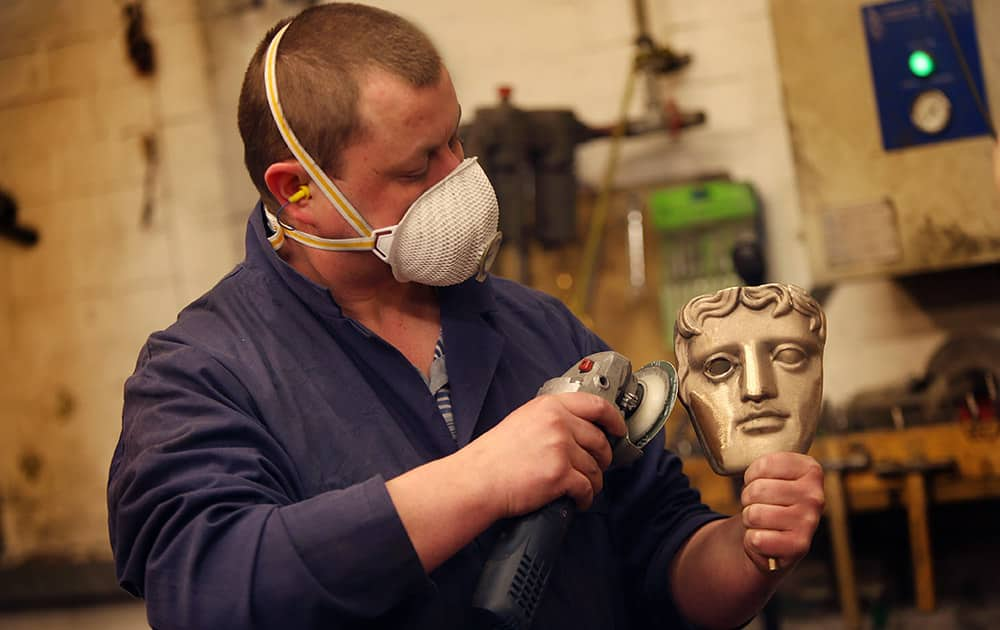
point(446, 236)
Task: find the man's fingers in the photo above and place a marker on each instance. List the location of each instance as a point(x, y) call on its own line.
point(782, 466)
point(586, 465)
point(779, 518)
point(782, 492)
point(581, 490)
point(593, 441)
point(595, 409)
point(784, 479)
point(769, 543)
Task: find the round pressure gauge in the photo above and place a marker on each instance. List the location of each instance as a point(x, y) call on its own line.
point(931, 111)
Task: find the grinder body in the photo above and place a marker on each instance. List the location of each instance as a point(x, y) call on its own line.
point(515, 575)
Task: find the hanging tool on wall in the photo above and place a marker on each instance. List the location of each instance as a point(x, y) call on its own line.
point(10, 228)
point(652, 62)
point(502, 138)
point(142, 54)
point(137, 42)
point(151, 154)
point(635, 242)
point(530, 155)
point(655, 61)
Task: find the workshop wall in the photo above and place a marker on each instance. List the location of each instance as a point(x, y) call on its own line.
point(119, 173)
point(137, 187)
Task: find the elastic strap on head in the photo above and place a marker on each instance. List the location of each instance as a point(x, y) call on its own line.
point(277, 236)
point(330, 190)
point(281, 230)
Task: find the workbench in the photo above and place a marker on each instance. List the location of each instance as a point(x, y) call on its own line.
point(913, 468)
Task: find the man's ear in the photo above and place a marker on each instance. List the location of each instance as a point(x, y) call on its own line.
point(285, 180)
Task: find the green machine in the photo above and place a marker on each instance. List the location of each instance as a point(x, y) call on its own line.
point(703, 228)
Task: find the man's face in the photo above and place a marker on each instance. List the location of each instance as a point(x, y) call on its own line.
point(409, 142)
point(754, 387)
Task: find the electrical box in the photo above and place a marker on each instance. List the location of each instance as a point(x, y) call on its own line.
point(699, 225)
point(887, 104)
point(921, 81)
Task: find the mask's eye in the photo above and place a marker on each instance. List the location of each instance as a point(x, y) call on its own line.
point(789, 356)
point(718, 367)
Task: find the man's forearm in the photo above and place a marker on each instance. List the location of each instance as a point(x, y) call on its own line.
point(442, 506)
point(715, 584)
point(552, 446)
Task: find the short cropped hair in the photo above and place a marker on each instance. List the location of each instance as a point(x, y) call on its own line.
point(784, 298)
point(321, 59)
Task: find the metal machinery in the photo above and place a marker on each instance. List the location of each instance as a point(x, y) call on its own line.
point(530, 156)
point(891, 141)
point(889, 110)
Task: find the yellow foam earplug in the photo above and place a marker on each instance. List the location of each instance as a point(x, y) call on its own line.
point(299, 195)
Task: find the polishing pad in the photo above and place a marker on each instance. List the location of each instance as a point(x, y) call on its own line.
point(659, 393)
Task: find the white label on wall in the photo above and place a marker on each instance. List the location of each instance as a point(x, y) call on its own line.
point(865, 234)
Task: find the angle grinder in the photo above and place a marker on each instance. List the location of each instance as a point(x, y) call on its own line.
point(517, 571)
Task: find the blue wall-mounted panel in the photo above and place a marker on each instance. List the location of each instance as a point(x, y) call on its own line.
point(913, 109)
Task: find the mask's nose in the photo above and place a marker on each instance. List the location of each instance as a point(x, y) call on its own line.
point(757, 378)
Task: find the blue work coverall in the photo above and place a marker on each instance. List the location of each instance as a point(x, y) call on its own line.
point(247, 489)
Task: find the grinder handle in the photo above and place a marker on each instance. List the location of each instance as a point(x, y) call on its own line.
point(518, 569)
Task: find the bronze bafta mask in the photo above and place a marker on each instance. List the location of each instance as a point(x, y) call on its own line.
point(750, 363)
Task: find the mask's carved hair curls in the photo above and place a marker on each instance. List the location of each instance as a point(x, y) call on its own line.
point(784, 298)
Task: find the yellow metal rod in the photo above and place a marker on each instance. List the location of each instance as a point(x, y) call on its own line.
point(599, 217)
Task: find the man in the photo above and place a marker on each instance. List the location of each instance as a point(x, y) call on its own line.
point(297, 453)
point(750, 365)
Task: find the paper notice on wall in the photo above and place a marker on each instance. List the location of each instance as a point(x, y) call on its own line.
point(864, 234)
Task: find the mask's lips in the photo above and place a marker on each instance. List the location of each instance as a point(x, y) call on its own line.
point(763, 422)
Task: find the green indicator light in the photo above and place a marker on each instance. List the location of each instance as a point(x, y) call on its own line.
point(921, 63)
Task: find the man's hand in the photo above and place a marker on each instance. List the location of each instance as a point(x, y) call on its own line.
point(782, 504)
point(551, 446)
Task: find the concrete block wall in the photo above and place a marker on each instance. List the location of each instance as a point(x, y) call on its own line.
point(77, 307)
